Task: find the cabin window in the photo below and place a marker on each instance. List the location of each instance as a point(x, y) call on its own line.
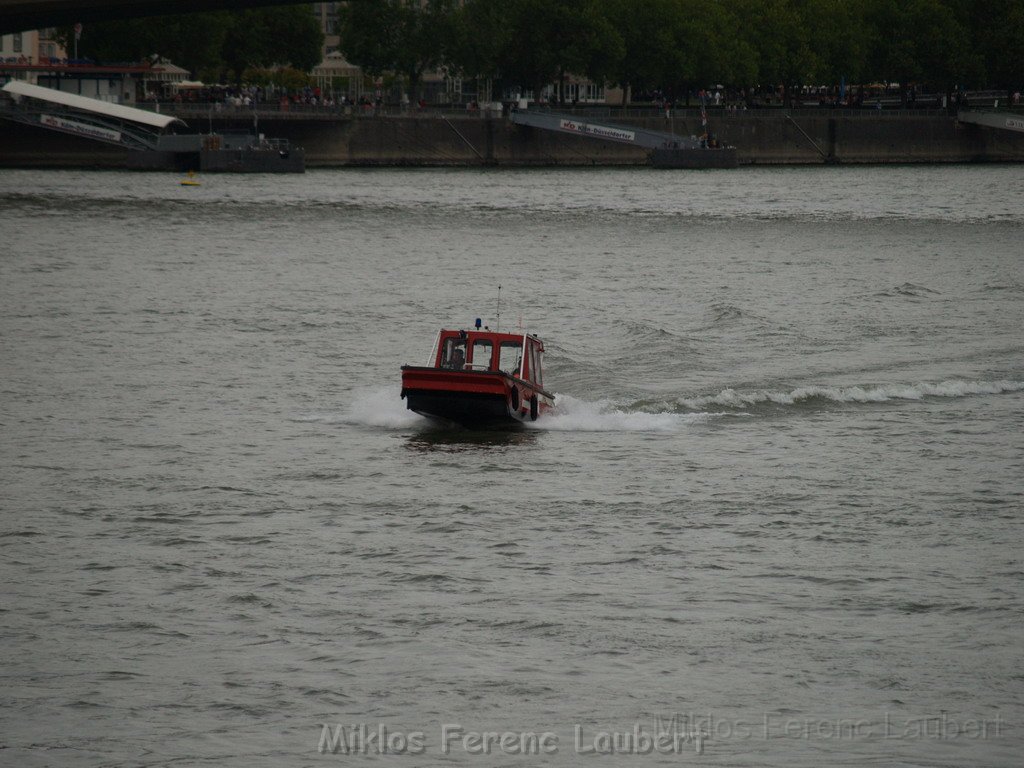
point(511, 353)
point(535, 367)
point(481, 359)
point(453, 354)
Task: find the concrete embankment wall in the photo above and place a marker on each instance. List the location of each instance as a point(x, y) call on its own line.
point(761, 138)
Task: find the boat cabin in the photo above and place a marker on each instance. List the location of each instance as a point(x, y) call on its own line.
point(480, 378)
point(518, 355)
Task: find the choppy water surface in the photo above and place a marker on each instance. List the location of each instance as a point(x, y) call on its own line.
point(780, 499)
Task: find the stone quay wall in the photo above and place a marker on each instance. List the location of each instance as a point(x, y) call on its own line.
point(762, 138)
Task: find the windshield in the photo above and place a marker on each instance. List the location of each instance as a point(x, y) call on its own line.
point(511, 357)
point(453, 354)
point(481, 359)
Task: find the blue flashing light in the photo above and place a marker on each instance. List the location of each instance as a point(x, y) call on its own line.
point(478, 323)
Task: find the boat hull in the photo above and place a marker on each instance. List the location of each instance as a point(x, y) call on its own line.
point(474, 399)
point(466, 408)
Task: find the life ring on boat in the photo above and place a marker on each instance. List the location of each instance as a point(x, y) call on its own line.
point(514, 395)
point(534, 408)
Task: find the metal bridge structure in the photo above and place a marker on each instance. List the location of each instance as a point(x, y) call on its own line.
point(640, 137)
point(82, 116)
point(22, 15)
point(1004, 120)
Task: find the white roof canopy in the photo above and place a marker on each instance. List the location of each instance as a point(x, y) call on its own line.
point(84, 103)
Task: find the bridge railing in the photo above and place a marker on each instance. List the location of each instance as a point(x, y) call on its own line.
point(276, 110)
point(219, 111)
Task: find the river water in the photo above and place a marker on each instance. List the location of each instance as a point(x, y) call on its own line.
point(777, 518)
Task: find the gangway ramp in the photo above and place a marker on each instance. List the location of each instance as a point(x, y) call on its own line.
point(1006, 121)
point(667, 150)
point(641, 137)
point(83, 116)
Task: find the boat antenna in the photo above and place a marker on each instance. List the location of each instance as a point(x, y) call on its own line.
point(497, 325)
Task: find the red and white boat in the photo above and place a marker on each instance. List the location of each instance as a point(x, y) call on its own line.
point(480, 378)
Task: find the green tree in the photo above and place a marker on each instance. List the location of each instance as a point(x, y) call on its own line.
point(551, 39)
point(715, 53)
point(669, 45)
point(597, 49)
point(291, 79)
point(836, 33)
point(112, 41)
point(651, 40)
point(776, 30)
point(193, 41)
point(403, 36)
point(280, 35)
point(210, 42)
point(917, 41)
point(999, 34)
point(530, 61)
point(480, 35)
